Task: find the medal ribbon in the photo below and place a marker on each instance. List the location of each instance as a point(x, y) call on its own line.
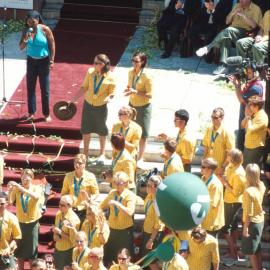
point(213, 138)
point(122, 131)
point(77, 186)
point(165, 169)
point(80, 256)
point(148, 204)
point(209, 180)
point(116, 210)
point(96, 87)
point(1, 225)
point(136, 78)
point(116, 159)
point(178, 138)
point(24, 203)
point(91, 236)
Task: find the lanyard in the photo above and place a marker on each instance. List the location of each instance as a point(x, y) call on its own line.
point(178, 138)
point(165, 169)
point(96, 87)
point(24, 203)
point(148, 204)
point(209, 180)
point(116, 210)
point(213, 137)
point(80, 257)
point(116, 159)
point(91, 235)
point(122, 131)
point(1, 225)
point(77, 186)
point(136, 78)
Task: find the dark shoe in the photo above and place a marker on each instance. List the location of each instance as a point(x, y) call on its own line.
point(165, 55)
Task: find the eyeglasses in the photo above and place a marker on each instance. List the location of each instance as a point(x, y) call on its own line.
point(79, 241)
point(204, 167)
point(93, 256)
point(135, 61)
point(119, 183)
point(215, 117)
point(121, 113)
point(98, 63)
point(79, 163)
point(62, 205)
point(122, 258)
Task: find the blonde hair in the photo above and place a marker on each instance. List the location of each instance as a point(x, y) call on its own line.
point(28, 172)
point(97, 212)
point(98, 251)
point(155, 179)
point(67, 199)
point(81, 235)
point(210, 163)
point(130, 111)
point(253, 175)
point(120, 176)
point(81, 157)
point(236, 156)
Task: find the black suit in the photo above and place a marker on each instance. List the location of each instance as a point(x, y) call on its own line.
point(174, 22)
point(201, 23)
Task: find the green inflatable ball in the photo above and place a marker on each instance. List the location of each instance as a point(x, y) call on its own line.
point(182, 201)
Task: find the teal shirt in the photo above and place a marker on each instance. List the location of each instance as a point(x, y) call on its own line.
point(38, 47)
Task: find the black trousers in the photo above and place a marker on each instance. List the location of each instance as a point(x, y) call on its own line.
point(172, 24)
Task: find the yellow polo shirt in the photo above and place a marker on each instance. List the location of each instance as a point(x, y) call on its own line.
point(144, 84)
point(80, 257)
point(10, 230)
point(65, 244)
point(266, 24)
point(203, 254)
point(88, 184)
point(178, 262)
point(94, 233)
point(214, 219)
point(217, 144)
point(252, 204)
point(118, 219)
point(151, 221)
point(126, 163)
point(106, 89)
point(130, 267)
point(132, 135)
point(33, 209)
point(256, 130)
point(88, 266)
point(236, 177)
point(252, 12)
point(185, 146)
point(172, 165)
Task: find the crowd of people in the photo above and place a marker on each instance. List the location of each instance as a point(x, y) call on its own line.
point(89, 234)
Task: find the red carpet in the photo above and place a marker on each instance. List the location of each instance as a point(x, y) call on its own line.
point(85, 30)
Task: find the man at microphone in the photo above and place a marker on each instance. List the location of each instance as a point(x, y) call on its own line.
point(259, 44)
point(40, 48)
point(244, 17)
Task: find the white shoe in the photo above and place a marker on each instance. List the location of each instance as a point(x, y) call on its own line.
point(202, 51)
point(220, 70)
point(101, 159)
point(230, 261)
point(140, 164)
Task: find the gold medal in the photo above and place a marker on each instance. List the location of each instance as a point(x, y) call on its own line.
point(95, 96)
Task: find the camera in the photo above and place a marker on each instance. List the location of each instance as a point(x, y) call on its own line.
point(142, 179)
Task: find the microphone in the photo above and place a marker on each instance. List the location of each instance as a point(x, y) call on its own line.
point(234, 60)
point(28, 34)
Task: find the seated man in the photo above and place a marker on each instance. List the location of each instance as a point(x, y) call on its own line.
point(174, 18)
point(211, 18)
point(259, 44)
point(244, 17)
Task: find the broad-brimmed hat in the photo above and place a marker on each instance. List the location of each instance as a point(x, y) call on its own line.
point(64, 110)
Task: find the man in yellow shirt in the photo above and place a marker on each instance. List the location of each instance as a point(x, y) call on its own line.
point(217, 141)
point(203, 250)
point(10, 232)
point(259, 44)
point(255, 123)
point(185, 143)
point(78, 181)
point(214, 219)
point(244, 17)
point(172, 161)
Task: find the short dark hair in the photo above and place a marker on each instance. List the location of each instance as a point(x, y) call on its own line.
point(170, 145)
point(198, 233)
point(220, 111)
point(118, 141)
point(182, 114)
point(105, 60)
point(142, 56)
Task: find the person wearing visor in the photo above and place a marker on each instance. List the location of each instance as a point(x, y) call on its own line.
point(38, 40)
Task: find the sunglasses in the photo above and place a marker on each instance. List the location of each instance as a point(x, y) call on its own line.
point(215, 117)
point(136, 61)
point(122, 258)
point(62, 205)
point(204, 167)
point(120, 114)
point(79, 241)
point(119, 183)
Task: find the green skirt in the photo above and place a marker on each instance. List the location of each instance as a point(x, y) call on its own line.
point(94, 119)
point(144, 114)
point(28, 245)
point(62, 258)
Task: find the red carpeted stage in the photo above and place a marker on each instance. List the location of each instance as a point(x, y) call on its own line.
point(86, 28)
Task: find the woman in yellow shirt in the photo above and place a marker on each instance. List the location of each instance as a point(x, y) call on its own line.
point(95, 227)
point(253, 216)
point(139, 90)
point(130, 129)
point(63, 232)
point(95, 259)
point(123, 162)
point(123, 258)
point(121, 204)
point(234, 183)
point(98, 87)
point(28, 211)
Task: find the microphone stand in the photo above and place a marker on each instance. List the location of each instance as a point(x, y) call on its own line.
point(4, 100)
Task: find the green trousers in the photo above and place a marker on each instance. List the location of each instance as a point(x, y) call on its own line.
point(259, 50)
point(224, 40)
